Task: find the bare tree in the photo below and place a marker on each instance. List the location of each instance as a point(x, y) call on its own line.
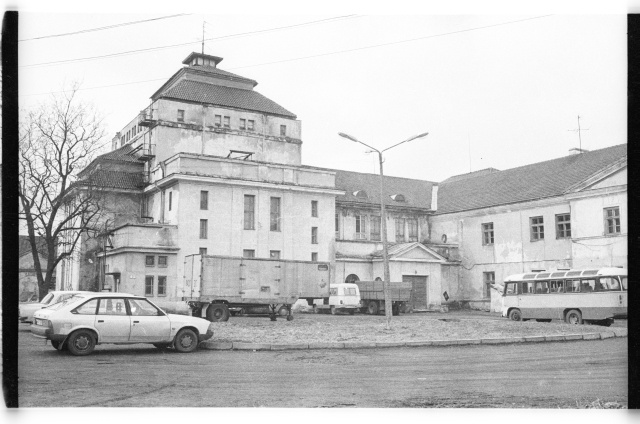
point(58, 140)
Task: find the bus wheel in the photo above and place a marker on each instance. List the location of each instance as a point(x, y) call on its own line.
point(573, 317)
point(373, 308)
point(515, 315)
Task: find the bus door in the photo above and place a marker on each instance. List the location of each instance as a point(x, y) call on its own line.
point(527, 299)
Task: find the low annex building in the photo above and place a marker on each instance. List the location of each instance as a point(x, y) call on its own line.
point(569, 212)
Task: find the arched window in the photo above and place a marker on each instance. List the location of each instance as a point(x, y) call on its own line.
point(378, 279)
point(398, 197)
point(351, 278)
point(361, 194)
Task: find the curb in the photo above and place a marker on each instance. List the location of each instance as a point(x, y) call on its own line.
point(209, 345)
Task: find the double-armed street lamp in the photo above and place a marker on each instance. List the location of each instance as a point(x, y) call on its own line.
point(383, 222)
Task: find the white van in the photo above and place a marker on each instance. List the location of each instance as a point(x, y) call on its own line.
point(343, 297)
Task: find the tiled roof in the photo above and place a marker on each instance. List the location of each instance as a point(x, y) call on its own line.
point(219, 95)
point(417, 193)
point(470, 175)
point(122, 154)
point(218, 71)
point(104, 178)
point(525, 183)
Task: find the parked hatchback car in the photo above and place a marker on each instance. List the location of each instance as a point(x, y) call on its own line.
point(26, 309)
point(86, 320)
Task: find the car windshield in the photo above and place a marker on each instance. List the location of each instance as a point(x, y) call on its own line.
point(45, 300)
point(70, 301)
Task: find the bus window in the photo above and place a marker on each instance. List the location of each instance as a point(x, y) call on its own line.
point(573, 286)
point(542, 287)
point(333, 291)
point(556, 286)
point(511, 288)
point(587, 286)
point(527, 287)
point(624, 283)
point(607, 284)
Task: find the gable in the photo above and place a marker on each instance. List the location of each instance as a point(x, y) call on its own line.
point(617, 179)
point(418, 253)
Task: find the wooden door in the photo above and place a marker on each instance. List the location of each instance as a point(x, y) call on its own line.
point(419, 299)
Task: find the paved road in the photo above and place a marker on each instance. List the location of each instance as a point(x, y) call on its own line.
point(545, 375)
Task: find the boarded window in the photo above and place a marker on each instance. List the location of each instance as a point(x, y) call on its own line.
point(314, 235)
point(375, 228)
point(275, 214)
point(204, 230)
point(400, 229)
point(180, 115)
point(249, 212)
point(204, 200)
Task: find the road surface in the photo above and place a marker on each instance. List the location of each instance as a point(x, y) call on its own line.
point(545, 375)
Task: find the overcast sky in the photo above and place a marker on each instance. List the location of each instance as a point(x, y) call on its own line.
point(493, 90)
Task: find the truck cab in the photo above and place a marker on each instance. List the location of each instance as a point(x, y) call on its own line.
point(343, 297)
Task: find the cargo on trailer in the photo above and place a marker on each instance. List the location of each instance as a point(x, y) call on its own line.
point(218, 286)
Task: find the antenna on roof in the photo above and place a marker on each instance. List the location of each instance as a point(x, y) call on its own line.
point(203, 22)
point(579, 136)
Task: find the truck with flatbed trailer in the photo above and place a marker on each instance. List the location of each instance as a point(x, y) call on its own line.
point(216, 287)
point(372, 296)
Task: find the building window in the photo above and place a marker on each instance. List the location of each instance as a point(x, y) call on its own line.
point(248, 253)
point(162, 261)
point(413, 229)
point(487, 234)
point(314, 208)
point(314, 235)
point(204, 200)
point(274, 254)
point(217, 120)
point(351, 278)
point(563, 226)
point(227, 122)
point(170, 199)
point(249, 211)
point(283, 130)
point(361, 227)
point(537, 228)
point(489, 278)
point(275, 214)
point(251, 125)
point(314, 256)
point(150, 260)
point(180, 115)
point(243, 124)
point(162, 285)
point(375, 228)
point(399, 229)
point(204, 228)
point(612, 220)
point(337, 227)
point(203, 251)
point(148, 285)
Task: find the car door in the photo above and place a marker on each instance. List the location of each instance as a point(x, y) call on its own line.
point(148, 323)
point(112, 321)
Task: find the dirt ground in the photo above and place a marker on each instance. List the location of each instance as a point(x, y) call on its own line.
point(319, 328)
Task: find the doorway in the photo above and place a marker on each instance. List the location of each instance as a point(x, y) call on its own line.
point(419, 292)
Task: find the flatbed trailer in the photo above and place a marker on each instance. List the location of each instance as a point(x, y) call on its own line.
point(372, 296)
point(218, 286)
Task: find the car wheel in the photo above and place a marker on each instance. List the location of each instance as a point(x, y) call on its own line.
point(81, 343)
point(289, 317)
point(218, 312)
point(186, 341)
point(373, 308)
point(283, 311)
point(515, 315)
point(573, 317)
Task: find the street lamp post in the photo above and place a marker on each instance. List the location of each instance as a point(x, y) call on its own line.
point(383, 223)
